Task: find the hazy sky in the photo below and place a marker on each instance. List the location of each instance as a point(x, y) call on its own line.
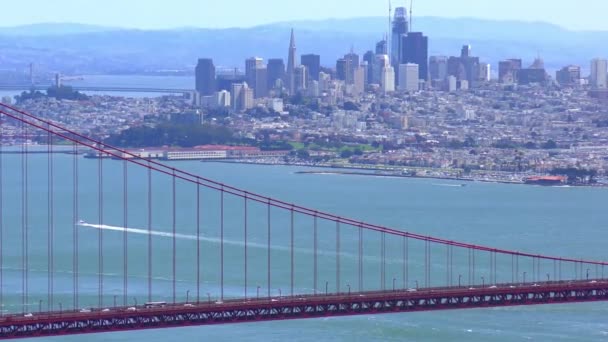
point(572, 14)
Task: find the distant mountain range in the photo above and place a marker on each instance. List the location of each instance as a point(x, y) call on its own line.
point(79, 49)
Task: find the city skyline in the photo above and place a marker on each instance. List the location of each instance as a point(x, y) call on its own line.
point(205, 14)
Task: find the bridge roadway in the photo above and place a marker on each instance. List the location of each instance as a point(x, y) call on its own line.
point(299, 307)
point(99, 89)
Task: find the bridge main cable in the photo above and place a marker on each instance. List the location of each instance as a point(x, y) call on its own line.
point(121, 154)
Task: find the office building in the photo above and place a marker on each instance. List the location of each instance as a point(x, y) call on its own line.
point(256, 76)
point(241, 97)
point(352, 64)
point(300, 78)
point(452, 83)
point(485, 72)
point(236, 96)
point(438, 68)
point(381, 62)
point(222, 99)
point(599, 74)
point(369, 57)
point(466, 67)
point(261, 82)
point(382, 47)
point(291, 64)
point(409, 76)
point(534, 74)
point(359, 81)
point(400, 27)
point(387, 83)
point(313, 66)
point(342, 68)
point(569, 75)
point(415, 49)
point(275, 72)
point(205, 77)
point(508, 69)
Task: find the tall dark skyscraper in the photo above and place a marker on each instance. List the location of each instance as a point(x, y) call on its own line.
point(276, 71)
point(342, 67)
point(382, 47)
point(438, 68)
point(353, 63)
point(415, 49)
point(291, 64)
point(399, 28)
point(370, 58)
point(313, 66)
point(205, 77)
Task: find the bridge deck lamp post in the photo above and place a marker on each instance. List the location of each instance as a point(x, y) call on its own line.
point(326, 288)
point(115, 301)
point(483, 282)
point(416, 281)
point(40, 306)
point(587, 274)
point(525, 277)
point(459, 280)
point(209, 297)
point(548, 278)
point(258, 292)
point(280, 294)
point(187, 296)
point(348, 285)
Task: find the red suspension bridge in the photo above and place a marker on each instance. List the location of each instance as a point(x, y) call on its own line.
point(122, 243)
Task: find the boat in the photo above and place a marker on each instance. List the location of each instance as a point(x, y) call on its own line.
point(82, 222)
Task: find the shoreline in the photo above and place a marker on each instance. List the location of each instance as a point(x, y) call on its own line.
point(357, 171)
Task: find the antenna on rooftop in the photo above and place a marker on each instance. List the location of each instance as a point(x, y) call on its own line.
point(388, 33)
point(411, 14)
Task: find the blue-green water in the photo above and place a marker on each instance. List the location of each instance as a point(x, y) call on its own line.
point(557, 221)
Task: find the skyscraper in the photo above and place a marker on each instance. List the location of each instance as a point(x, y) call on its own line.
point(353, 63)
point(409, 74)
point(381, 62)
point(291, 64)
point(400, 27)
point(342, 68)
point(205, 76)
point(388, 80)
point(382, 47)
point(415, 49)
point(599, 70)
point(569, 75)
point(276, 71)
point(369, 58)
point(313, 65)
point(438, 68)
point(508, 69)
point(300, 78)
point(253, 66)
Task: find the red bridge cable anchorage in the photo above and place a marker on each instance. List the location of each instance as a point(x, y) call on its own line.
point(161, 168)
